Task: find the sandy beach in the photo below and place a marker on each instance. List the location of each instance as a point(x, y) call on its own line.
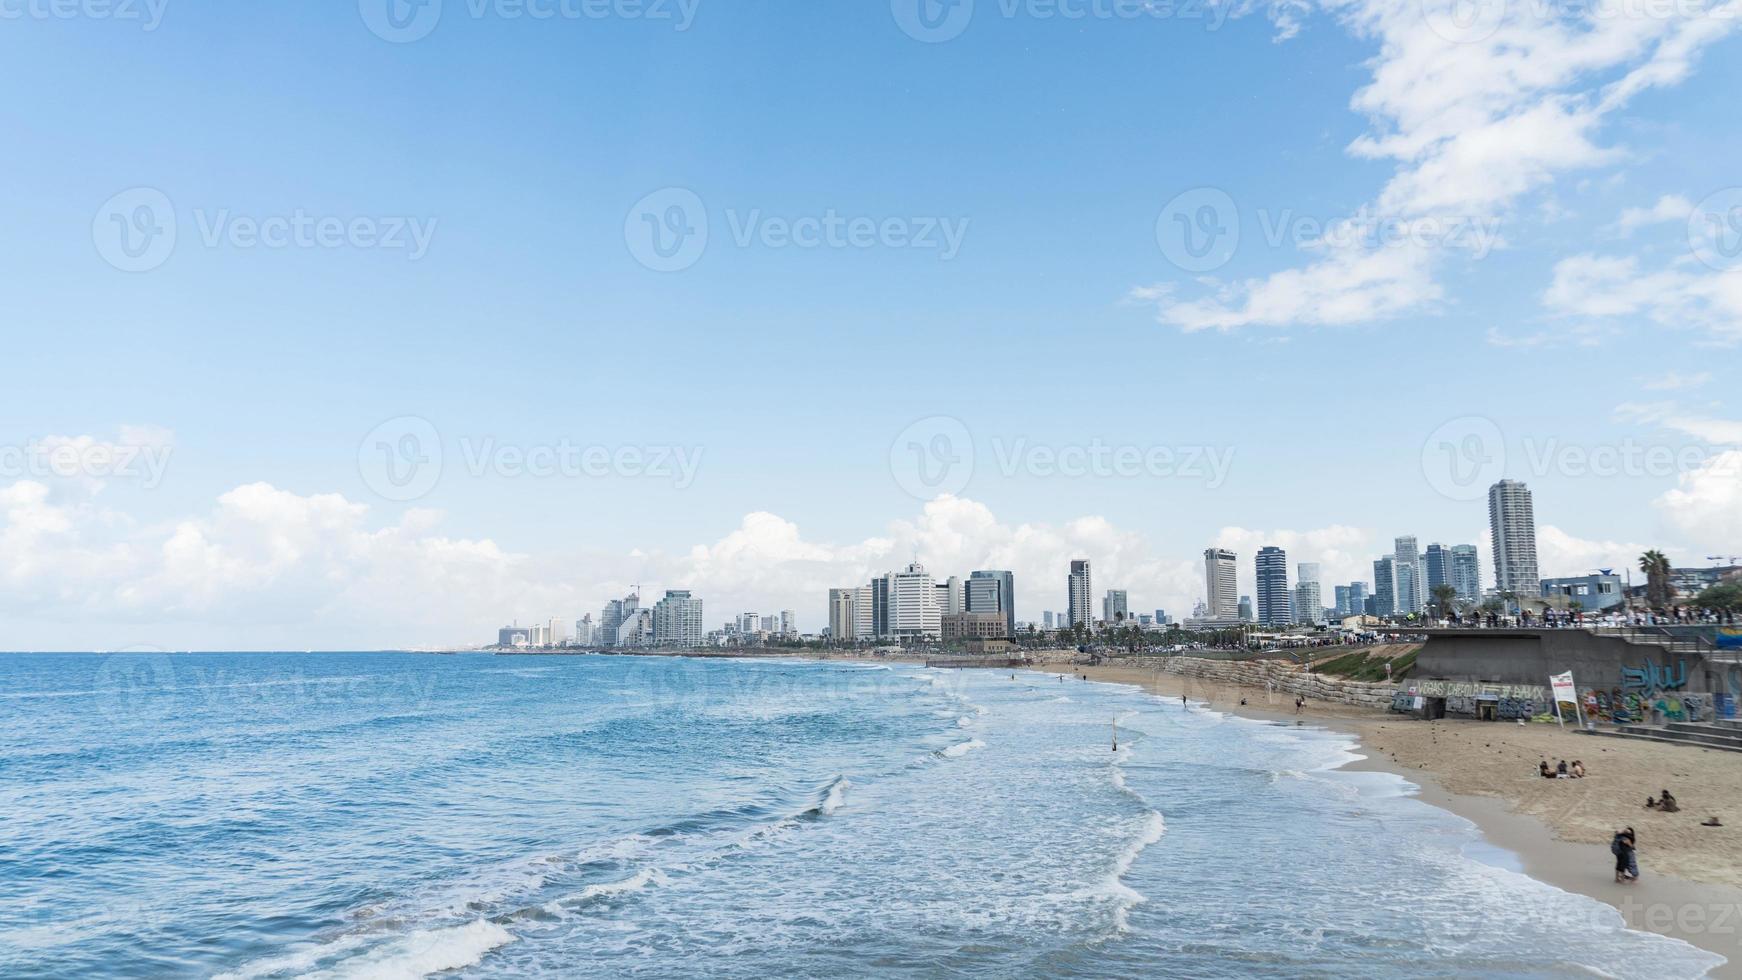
point(1486, 772)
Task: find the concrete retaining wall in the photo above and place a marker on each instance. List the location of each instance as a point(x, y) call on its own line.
point(1281, 676)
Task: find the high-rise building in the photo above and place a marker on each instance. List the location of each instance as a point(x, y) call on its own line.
point(1244, 609)
point(1308, 594)
point(611, 619)
point(1274, 605)
point(913, 603)
point(1358, 598)
point(1438, 562)
point(1079, 589)
point(1161, 617)
point(584, 631)
point(1046, 619)
point(1221, 593)
point(1407, 566)
point(1113, 608)
point(1512, 530)
point(1308, 605)
point(788, 622)
point(956, 600)
point(1385, 586)
point(863, 626)
point(1341, 595)
point(843, 614)
point(1465, 573)
point(880, 606)
point(1006, 593)
point(677, 620)
point(559, 632)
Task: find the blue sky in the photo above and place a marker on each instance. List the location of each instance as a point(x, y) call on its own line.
point(1325, 376)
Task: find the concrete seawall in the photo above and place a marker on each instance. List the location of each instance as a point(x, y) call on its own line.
point(1275, 675)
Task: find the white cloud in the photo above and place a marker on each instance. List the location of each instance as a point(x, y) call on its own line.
point(1679, 296)
point(1560, 554)
point(1675, 380)
point(1706, 504)
point(1669, 208)
point(1724, 432)
point(1472, 123)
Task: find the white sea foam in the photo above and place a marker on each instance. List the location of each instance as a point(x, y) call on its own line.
point(634, 883)
point(837, 796)
point(1149, 832)
point(962, 748)
point(364, 956)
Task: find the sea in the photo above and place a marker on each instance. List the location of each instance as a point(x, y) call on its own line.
point(397, 815)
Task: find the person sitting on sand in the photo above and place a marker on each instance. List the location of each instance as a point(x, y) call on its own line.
point(1560, 771)
point(1651, 802)
point(1667, 803)
point(1578, 769)
point(1543, 770)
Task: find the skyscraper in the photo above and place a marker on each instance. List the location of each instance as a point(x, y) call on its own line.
point(1006, 594)
point(1221, 594)
point(788, 622)
point(1358, 598)
point(1438, 561)
point(1341, 595)
point(1244, 609)
point(1385, 586)
point(843, 614)
point(880, 606)
point(1407, 567)
point(1274, 604)
point(1465, 572)
point(1078, 593)
point(677, 620)
point(1113, 608)
point(1308, 594)
point(1512, 530)
point(612, 617)
point(913, 603)
point(864, 625)
point(1046, 619)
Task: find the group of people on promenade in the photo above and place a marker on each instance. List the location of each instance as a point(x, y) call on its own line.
point(1578, 618)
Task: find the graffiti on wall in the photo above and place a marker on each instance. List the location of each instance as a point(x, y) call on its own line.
point(1651, 677)
point(1513, 701)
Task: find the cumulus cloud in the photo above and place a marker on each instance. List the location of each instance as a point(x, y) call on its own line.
point(1669, 208)
point(1474, 117)
point(1680, 295)
point(1706, 503)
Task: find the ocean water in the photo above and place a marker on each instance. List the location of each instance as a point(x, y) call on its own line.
point(399, 815)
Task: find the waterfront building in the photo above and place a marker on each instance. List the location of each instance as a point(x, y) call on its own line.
point(677, 620)
point(974, 626)
point(913, 603)
point(1242, 612)
point(1274, 605)
point(1221, 593)
point(1512, 533)
point(1078, 592)
point(1593, 593)
point(1409, 572)
point(1006, 593)
point(1465, 573)
point(615, 612)
point(844, 614)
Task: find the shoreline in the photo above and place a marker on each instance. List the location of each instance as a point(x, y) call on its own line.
point(1705, 914)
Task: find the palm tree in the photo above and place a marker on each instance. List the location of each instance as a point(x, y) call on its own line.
point(1443, 596)
point(1658, 591)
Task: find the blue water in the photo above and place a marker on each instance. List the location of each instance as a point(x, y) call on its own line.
point(399, 815)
